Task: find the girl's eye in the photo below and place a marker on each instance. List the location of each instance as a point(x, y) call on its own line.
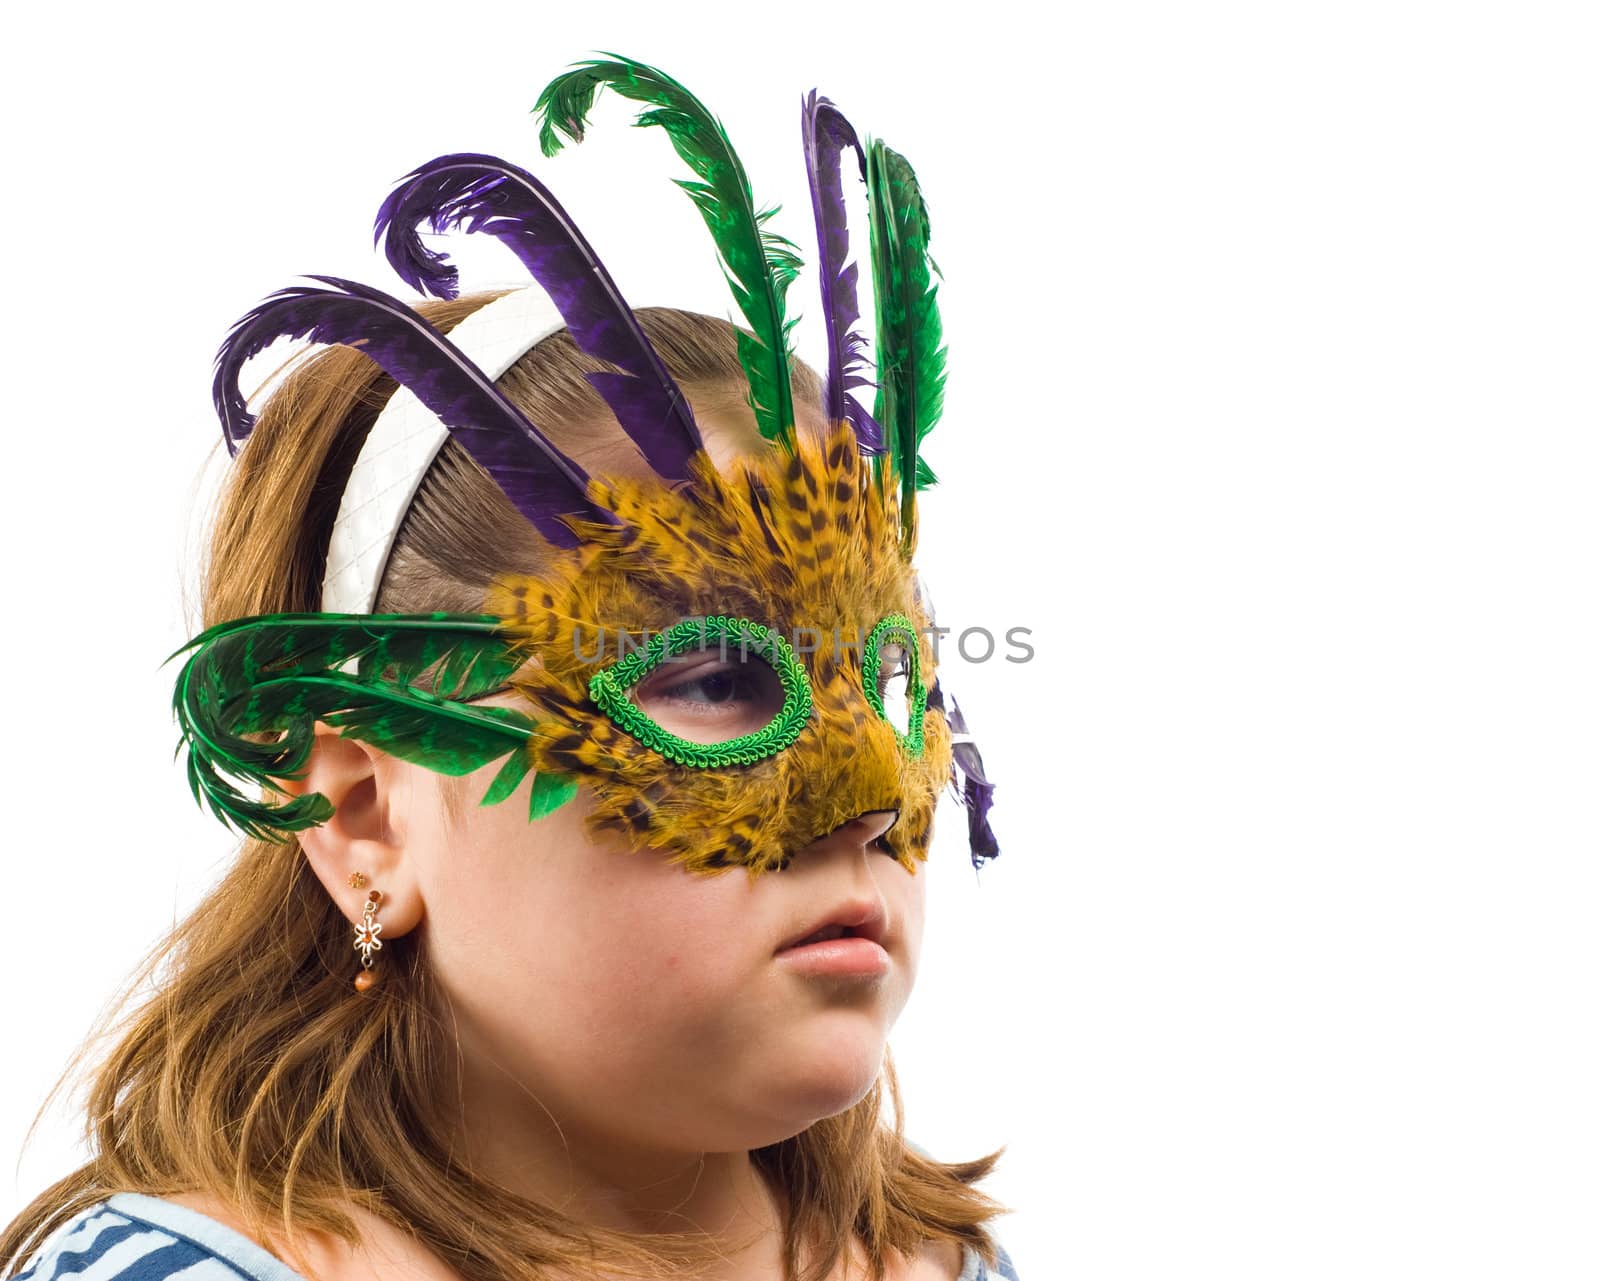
point(720, 685)
point(709, 699)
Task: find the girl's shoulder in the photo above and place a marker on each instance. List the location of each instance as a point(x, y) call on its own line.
point(133, 1237)
point(973, 1267)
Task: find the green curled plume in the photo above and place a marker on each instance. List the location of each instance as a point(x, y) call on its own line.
point(759, 265)
point(281, 673)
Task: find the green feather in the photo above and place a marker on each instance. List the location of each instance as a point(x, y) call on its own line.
point(280, 673)
point(550, 793)
point(759, 265)
point(910, 336)
point(508, 779)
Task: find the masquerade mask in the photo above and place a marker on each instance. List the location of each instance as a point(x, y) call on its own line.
point(733, 664)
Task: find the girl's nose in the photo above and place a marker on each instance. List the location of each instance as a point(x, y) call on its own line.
point(867, 826)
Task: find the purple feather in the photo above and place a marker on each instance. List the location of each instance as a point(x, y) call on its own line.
point(484, 193)
point(542, 482)
point(977, 792)
point(825, 133)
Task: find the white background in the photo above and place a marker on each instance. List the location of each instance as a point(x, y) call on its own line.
point(1271, 411)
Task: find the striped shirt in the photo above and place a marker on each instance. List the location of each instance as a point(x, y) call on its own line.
point(133, 1237)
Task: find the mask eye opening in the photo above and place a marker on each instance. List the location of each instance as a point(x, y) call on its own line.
point(608, 689)
point(897, 627)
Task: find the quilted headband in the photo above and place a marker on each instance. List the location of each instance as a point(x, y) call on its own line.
point(402, 445)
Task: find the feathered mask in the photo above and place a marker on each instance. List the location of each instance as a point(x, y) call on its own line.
point(779, 593)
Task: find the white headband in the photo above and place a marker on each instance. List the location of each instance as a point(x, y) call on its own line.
point(403, 442)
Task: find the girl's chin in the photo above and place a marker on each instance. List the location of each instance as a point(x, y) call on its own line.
point(829, 1065)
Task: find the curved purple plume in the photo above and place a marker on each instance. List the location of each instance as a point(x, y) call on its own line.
point(825, 133)
point(976, 791)
point(542, 482)
point(484, 193)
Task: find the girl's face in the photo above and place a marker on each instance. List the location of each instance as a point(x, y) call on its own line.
point(635, 998)
point(643, 1000)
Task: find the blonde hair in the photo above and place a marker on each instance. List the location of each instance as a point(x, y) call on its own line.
point(254, 1075)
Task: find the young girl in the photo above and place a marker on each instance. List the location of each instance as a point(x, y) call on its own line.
point(579, 663)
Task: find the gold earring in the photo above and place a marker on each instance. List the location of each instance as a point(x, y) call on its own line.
point(358, 880)
point(367, 942)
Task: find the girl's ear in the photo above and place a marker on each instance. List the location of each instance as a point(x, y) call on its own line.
point(362, 782)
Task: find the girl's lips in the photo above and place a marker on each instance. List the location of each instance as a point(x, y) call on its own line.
point(851, 957)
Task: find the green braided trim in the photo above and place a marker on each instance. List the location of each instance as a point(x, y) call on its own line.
point(608, 688)
point(900, 625)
